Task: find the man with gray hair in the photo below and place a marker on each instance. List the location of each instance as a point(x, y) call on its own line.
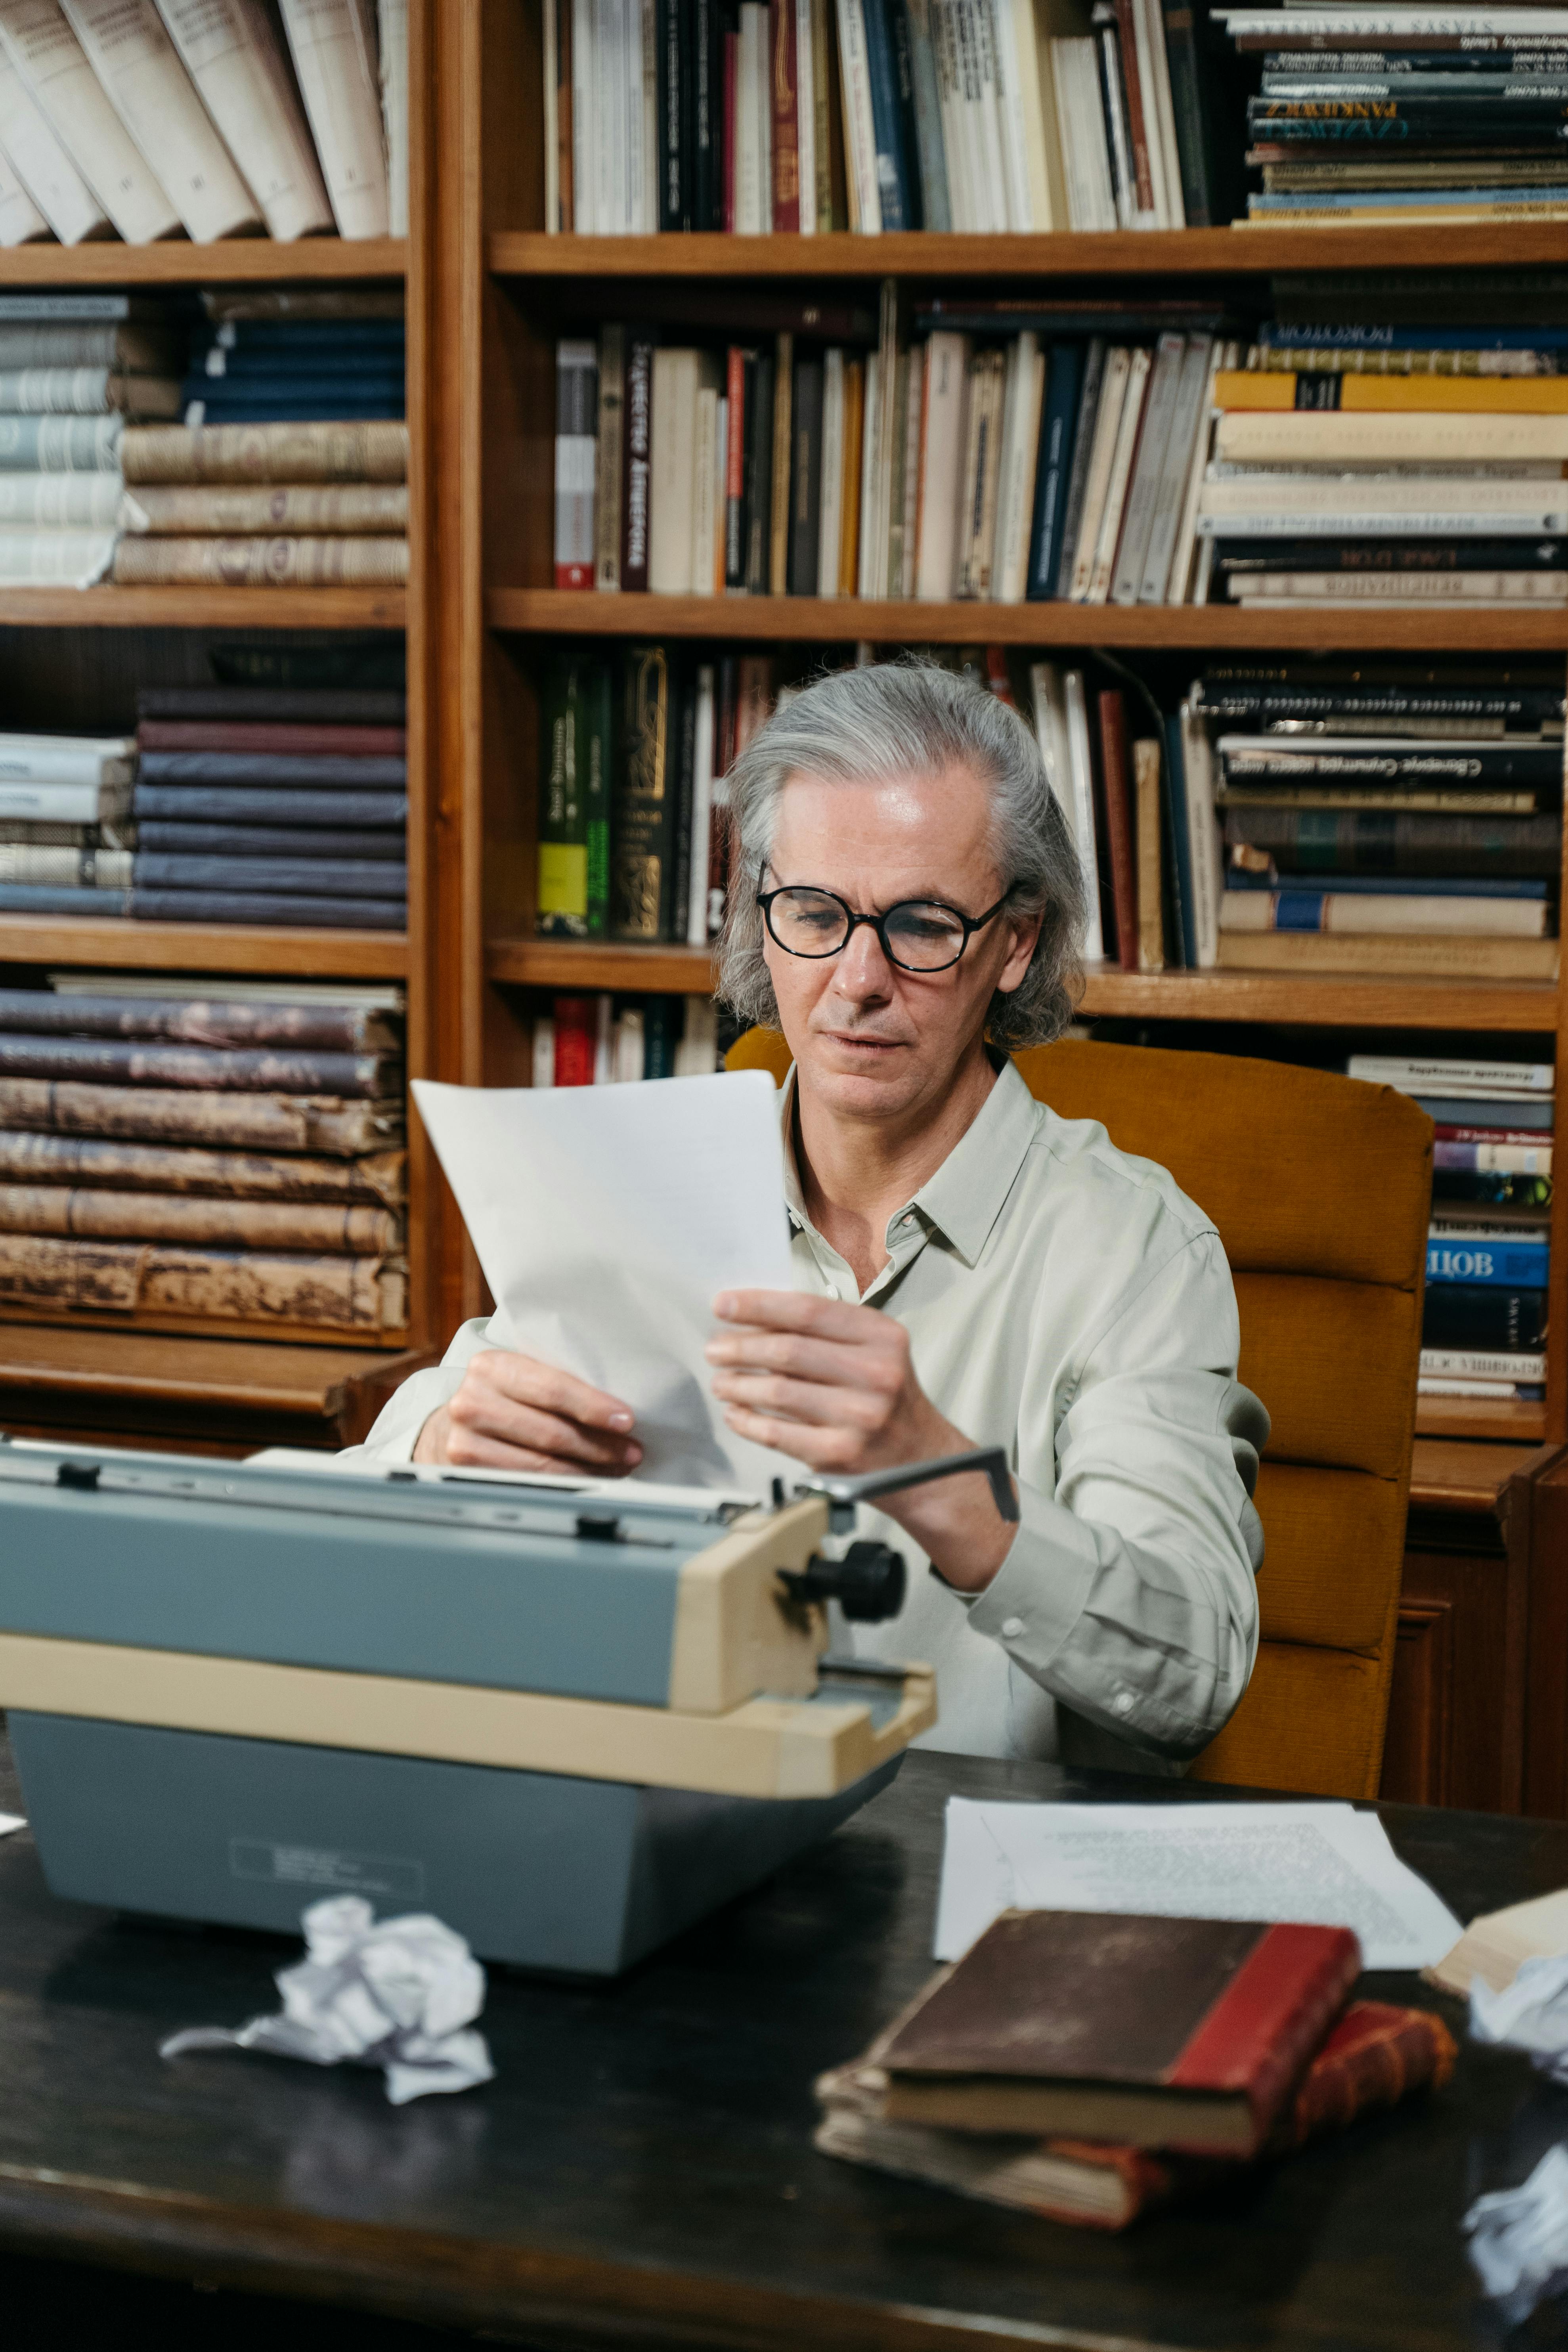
point(906, 906)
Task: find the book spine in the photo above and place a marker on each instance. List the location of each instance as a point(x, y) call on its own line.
point(252, 735)
point(759, 457)
point(264, 806)
point(907, 110)
point(1132, 83)
point(1516, 1158)
point(299, 562)
point(609, 470)
point(374, 509)
point(1084, 435)
point(1483, 1315)
point(92, 1276)
point(637, 494)
point(75, 869)
point(333, 43)
point(1324, 1963)
point(123, 1061)
point(286, 771)
point(266, 1123)
point(783, 448)
point(707, 115)
point(43, 50)
point(1053, 467)
point(1119, 827)
point(562, 880)
point(85, 804)
point(264, 841)
point(62, 445)
point(1515, 1265)
point(784, 93)
point(354, 450)
point(643, 807)
point(41, 163)
point(59, 1211)
point(597, 739)
point(1180, 836)
point(1149, 827)
point(308, 913)
point(141, 73)
point(1195, 138)
point(560, 219)
point(40, 1160)
point(1431, 956)
point(676, 896)
point(319, 706)
point(805, 504)
point(576, 452)
point(673, 208)
point(936, 209)
point(862, 149)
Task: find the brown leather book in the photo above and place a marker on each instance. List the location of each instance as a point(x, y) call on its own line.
point(67, 1212)
point(284, 562)
point(341, 452)
point(211, 1070)
point(1180, 2034)
point(129, 1278)
point(320, 1027)
point(1118, 825)
point(379, 1177)
point(1375, 2056)
point(277, 735)
point(203, 511)
point(320, 1123)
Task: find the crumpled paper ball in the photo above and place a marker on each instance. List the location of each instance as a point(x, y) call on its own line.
point(1530, 2015)
point(400, 1995)
point(1518, 2238)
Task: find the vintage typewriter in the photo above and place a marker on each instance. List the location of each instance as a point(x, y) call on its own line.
point(569, 1719)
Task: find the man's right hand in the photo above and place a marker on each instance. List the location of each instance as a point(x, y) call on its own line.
point(513, 1413)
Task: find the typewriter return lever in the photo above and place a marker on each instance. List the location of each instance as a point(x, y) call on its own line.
point(868, 1581)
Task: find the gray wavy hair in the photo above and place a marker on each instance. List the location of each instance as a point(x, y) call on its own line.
point(858, 726)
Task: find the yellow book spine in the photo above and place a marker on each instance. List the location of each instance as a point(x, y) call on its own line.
point(1254, 388)
point(1542, 395)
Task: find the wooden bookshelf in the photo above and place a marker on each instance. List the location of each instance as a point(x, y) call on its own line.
point(129, 1382)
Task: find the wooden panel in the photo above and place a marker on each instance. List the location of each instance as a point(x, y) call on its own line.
point(1418, 1744)
point(1480, 1417)
point(1538, 1517)
point(1202, 252)
point(203, 947)
point(236, 261)
point(421, 367)
point(842, 620)
point(1457, 1713)
point(202, 608)
point(1449, 1475)
point(1325, 999)
point(600, 963)
point(40, 1318)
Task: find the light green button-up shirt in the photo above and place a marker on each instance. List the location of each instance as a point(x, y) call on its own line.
point(1066, 1302)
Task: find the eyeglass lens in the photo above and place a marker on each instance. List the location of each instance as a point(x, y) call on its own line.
point(921, 935)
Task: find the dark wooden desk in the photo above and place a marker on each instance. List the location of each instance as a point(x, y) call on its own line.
point(641, 2173)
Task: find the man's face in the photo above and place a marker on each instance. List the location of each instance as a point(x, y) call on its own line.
point(872, 1041)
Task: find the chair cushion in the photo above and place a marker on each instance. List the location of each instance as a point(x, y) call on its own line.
point(1330, 1534)
point(1311, 1720)
point(1335, 1364)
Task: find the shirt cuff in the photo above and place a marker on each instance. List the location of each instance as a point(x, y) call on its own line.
point(1034, 1603)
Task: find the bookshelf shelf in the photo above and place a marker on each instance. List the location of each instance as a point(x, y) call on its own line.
point(1477, 1417)
point(600, 963)
point(117, 945)
point(564, 611)
point(234, 261)
point(1155, 253)
point(203, 608)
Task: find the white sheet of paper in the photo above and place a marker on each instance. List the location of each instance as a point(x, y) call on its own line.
point(606, 1219)
point(1321, 1863)
point(9, 1821)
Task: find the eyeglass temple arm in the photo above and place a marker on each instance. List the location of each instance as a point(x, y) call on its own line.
point(843, 1494)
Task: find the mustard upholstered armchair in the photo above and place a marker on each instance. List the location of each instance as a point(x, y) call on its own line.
point(1320, 1187)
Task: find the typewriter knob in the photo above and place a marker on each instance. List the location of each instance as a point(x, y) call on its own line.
point(868, 1583)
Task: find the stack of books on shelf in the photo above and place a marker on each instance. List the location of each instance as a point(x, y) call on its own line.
point(1390, 464)
point(605, 1040)
point(172, 1162)
point(633, 841)
point(1483, 1333)
point(265, 356)
point(307, 505)
point(1405, 114)
point(210, 118)
point(812, 116)
point(1002, 451)
point(1385, 819)
point(65, 824)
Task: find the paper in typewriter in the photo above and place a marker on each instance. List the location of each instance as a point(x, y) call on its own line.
point(606, 1219)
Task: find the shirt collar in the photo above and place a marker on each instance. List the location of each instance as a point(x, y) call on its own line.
point(965, 1198)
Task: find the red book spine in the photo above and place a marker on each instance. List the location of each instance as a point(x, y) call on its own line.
point(732, 84)
point(735, 472)
point(575, 1038)
point(786, 120)
point(1537, 1138)
point(1119, 828)
point(1246, 2045)
point(268, 735)
point(1137, 130)
point(1376, 2055)
point(566, 219)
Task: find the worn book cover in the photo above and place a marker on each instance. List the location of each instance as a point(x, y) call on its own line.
point(173, 1170)
point(354, 451)
point(320, 1123)
point(203, 1221)
point(295, 736)
point(1184, 2033)
point(277, 562)
point(244, 1069)
point(316, 1027)
point(340, 1293)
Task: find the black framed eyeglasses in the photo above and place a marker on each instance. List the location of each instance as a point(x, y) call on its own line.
point(918, 934)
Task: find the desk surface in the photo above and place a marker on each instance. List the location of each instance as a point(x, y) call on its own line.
point(641, 2173)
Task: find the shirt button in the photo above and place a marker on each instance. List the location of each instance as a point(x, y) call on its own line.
point(1123, 1703)
point(906, 1221)
point(1011, 1628)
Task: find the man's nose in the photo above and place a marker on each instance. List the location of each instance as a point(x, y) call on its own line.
point(862, 969)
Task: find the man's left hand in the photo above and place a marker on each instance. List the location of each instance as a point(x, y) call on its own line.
point(834, 1386)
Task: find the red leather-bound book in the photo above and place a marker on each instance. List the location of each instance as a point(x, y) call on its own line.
point(575, 1041)
point(269, 735)
point(1189, 2035)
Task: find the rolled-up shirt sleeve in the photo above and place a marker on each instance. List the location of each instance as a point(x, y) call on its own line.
point(396, 1431)
point(1129, 1593)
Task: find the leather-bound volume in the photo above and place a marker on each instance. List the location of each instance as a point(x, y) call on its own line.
point(67, 1212)
point(240, 1069)
point(340, 1293)
point(80, 1160)
point(285, 735)
point(1179, 2033)
point(1118, 825)
point(283, 561)
point(318, 1123)
point(1374, 2057)
point(314, 705)
point(200, 1021)
point(347, 451)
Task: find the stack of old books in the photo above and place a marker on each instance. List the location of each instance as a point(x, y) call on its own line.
point(319, 503)
point(170, 1162)
point(65, 824)
point(271, 804)
point(271, 359)
point(1087, 2066)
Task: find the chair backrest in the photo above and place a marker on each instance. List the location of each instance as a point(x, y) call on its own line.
point(1320, 1187)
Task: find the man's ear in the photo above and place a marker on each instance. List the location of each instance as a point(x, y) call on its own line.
point(1026, 936)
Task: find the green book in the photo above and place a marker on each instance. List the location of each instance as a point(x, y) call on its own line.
point(643, 814)
point(598, 737)
point(563, 858)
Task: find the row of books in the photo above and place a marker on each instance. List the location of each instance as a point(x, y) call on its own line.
point(811, 116)
point(1401, 113)
point(1399, 463)
point(210, 118)
point(264, 491)
point(1484, 1324)
point(605, 1040)
point(1006, 451)
point(171, 1162)
point(232, 803)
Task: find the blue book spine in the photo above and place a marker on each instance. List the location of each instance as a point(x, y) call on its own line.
point(286, 769)
point(267, 806)
point(306, 335)
point(907, 114)
point(1509, 1265)
point(389, 848)
point(306, 878)
point(1413, 339)
point(249, 363)
point(1064, 372)
point(249, 907)
point(294, 384)
point(40, 898)
point(1482, 1111)
point(892, 185)
point(1175, 783)
point(258, 411)
point(936, 203)
point(1402, 199)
